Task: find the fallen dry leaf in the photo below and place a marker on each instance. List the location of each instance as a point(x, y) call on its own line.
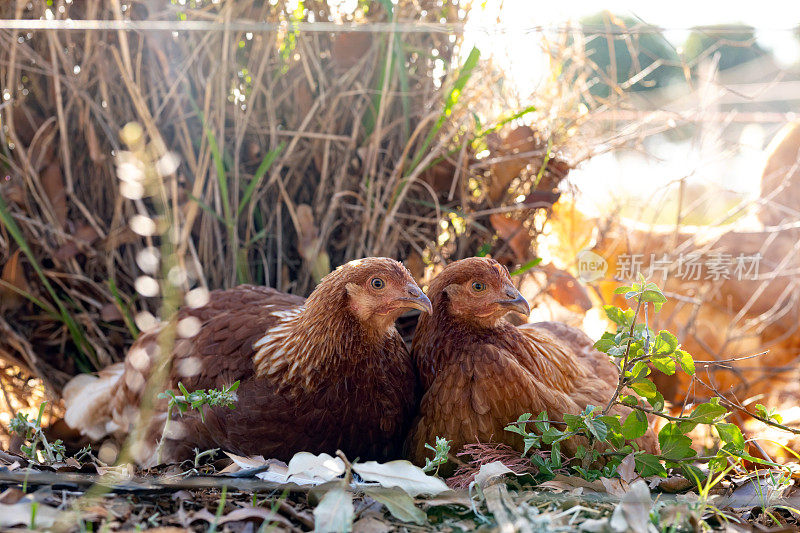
point(349, 48)
point(53, 184)
point(401, 474)
point(518, 141)
point(335, 511)
point(513, 231)
point(13, 274)
point(566, 290)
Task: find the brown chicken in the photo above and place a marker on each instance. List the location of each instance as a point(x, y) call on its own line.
point(330, 372)
point(480, 373)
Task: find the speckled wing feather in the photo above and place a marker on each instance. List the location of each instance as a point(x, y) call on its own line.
point(218, 355)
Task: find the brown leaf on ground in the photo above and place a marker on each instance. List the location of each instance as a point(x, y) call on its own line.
point(53, 184)
point(13, 274)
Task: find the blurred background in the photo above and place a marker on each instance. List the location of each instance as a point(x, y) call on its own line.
point(155, 150)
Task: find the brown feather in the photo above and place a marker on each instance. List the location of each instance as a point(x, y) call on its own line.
point(480, 375)
point(314, 377)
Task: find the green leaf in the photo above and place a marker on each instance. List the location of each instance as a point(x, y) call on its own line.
point(655, 297)
point(622, 290)
point(649, 465)
point(675, 446)
point(705, 413)
point(769, 414)
point(664, 364)
point(616, 315)
point(612, 422)
point(686, 361)
point(597, 428)
point(628, 399)
point(665, 344)
point(465, 73)
point(527, 266)
point(638, 370)
point(656, 402)
point(635, 425)
point(261, 171)
point(730, 434)
point(644, 387)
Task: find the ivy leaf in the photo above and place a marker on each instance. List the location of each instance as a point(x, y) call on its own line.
point(649, 465)
point(686, 361)
point(730, 434)
point(635, 425)
point(675, 446)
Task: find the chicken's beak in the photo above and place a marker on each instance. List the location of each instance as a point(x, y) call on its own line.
point(416, 299)
point(515, 302)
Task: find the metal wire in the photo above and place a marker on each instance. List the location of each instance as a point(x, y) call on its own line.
point(371, 27)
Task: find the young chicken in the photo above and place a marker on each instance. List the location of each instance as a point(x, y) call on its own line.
point(479, 373)
point(330, 372)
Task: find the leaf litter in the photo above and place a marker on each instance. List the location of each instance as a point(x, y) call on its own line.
point(326, 493)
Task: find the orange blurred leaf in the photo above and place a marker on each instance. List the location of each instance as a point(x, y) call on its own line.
point(566, 290)
point(514, 232)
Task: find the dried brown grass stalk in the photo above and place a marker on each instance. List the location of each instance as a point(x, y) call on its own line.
point(363, 160)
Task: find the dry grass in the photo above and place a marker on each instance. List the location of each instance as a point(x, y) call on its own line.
point(296, 152)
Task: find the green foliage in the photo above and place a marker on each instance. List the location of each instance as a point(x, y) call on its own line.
point(606, 438)
point(31, 431)
point(441, 451)
point(734, 45)
point(199, 398)
point(634, 53)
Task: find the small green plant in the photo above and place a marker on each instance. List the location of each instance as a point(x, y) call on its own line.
point(199, 398)
point(608, 438)
point(195, 400)
point(32, 432)
point(441, 451)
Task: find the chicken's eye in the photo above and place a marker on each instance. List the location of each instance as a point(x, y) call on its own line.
point(478, 286)
point(377, 283)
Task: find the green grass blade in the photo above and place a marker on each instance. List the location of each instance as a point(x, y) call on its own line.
point(28, 296)
point(205, 207)
point(126, 313)
point(261, 171)
point(464, 74)
point(75, 331)
point(527, 266)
